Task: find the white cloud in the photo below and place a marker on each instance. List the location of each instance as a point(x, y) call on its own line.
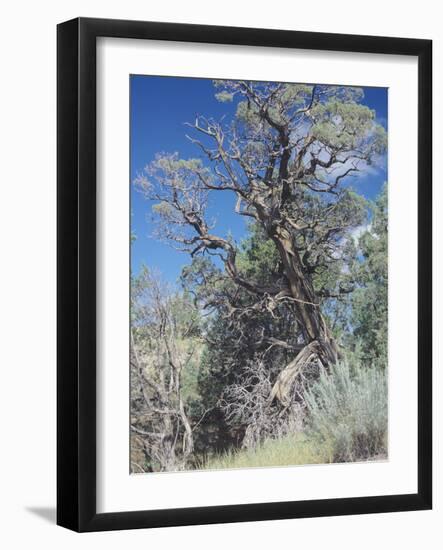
point(358, 231)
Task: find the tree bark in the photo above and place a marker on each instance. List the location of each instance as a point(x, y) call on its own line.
point(319, 346)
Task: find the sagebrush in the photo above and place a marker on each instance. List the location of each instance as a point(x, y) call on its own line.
point(348, 409)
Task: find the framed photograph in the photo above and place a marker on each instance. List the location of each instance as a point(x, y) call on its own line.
point(244, 274)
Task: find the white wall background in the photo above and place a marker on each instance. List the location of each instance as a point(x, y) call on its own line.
point(27, 274)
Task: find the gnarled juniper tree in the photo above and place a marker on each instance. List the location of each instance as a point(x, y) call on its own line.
point(287, 155)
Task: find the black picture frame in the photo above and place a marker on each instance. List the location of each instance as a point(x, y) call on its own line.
point(76, 265)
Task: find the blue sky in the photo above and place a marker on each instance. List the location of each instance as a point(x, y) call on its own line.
point(159, 108)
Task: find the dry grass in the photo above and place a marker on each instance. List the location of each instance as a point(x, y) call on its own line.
point(291, 450)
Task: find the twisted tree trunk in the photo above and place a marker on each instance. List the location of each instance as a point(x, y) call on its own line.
point(319, 346)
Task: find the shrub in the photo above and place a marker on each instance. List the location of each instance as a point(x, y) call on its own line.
point(349, 411)
point(246, 403)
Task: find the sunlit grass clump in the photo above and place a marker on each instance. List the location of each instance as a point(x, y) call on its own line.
point(291, 450)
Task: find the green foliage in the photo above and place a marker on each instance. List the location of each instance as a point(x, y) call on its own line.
point(179, 167)
point(370, 298)
point(330, 250)
point(224, 97)
point(232, 344)
point(258, 258)
point(342, 125)
point(335, 118)
point(348, 411)
point(133, 234)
